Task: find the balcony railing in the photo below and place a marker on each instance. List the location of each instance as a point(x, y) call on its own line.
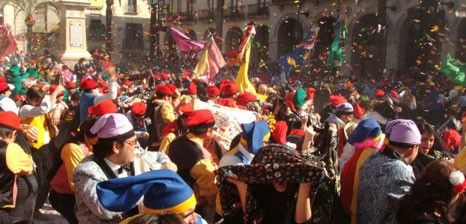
point(234, 12)
point(283, 1)
point(205, 14)
point(257, 10)
point(187, 16)
point(251, 10)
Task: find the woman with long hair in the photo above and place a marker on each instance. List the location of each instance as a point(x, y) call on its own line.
point(428, 149)
point(436, 196)
point(62, 196)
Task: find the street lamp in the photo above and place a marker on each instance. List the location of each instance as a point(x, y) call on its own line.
point(155, 25)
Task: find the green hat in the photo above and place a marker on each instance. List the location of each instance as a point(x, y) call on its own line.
point(15, 70)
point(32, 72)
point(299, 97)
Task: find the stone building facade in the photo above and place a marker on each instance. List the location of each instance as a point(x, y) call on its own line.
point(382, 35)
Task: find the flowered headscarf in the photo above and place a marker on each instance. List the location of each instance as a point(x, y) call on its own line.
point(272, 164)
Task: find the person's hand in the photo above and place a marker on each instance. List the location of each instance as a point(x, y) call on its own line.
point(30, 132)
point(145, 134)
point(240, 185)
point(56, 117)
point(333, 128)
point(170, 165)
point(304, 119)
point(310, 134)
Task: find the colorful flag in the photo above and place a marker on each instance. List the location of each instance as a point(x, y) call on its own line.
point(216, 60)
point(247, 38)
point(203, 65)
point(455, 70)
point(295, 59)
point(242, 79)
point(185, 44)
point(210, 62)
point(337, 49)
point(7, 42)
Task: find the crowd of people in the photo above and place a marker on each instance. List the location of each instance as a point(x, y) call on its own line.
point(107, 146)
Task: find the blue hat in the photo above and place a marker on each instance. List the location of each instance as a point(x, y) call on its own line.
point(254, 134)
point(163, 190)
point(367, 128)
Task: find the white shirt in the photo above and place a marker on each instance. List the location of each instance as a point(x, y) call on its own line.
point(115, 167)
point(233, 160)
point(29, 111)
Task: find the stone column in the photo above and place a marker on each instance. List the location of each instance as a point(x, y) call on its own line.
point(72, 43)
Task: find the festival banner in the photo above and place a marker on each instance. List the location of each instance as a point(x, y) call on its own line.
point(336, 55)
point(242, 79)
point(7, 42)
point(184, 43)
point(210, 62)
point(248, 37)
point(455, 70)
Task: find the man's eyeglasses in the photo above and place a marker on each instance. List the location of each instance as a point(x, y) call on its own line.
point(132, 143)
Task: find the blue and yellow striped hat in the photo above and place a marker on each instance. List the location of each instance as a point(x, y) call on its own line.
point(163, 190)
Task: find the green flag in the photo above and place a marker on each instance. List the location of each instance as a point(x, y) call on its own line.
point(455, 70)
point(337, 49)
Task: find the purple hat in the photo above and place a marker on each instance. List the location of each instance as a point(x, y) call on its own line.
point(345, 107)
point(111, 125)
point(404, 131)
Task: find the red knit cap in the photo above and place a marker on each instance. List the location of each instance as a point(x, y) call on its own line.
point(451, 138)
point(186, 74)
point(192, 90)
point(310, 93)
point(3, 86)
point(227, 102)
point(10, 120)
point(297, 132)
point(104, 86)
point(336, 100)
point(200, 117)
point(52, 88)
point(359, 111)
point(245, 98)
point(394, 94)
point(379, 93)
point(229, 89)
point(165, 89)
point(213, 91)
point(104, 107)
point(165, 76)
point(138, 109)
point(127, 83)
point(88, 84)
point(279, 132)
point(70, 85)
point(186, 108)
point(289, 102)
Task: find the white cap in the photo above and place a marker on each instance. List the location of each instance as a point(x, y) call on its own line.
point(7, 104)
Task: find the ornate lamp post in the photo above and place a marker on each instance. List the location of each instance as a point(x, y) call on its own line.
point(155, 25)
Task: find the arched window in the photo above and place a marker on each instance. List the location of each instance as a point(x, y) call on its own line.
point(290, 33)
